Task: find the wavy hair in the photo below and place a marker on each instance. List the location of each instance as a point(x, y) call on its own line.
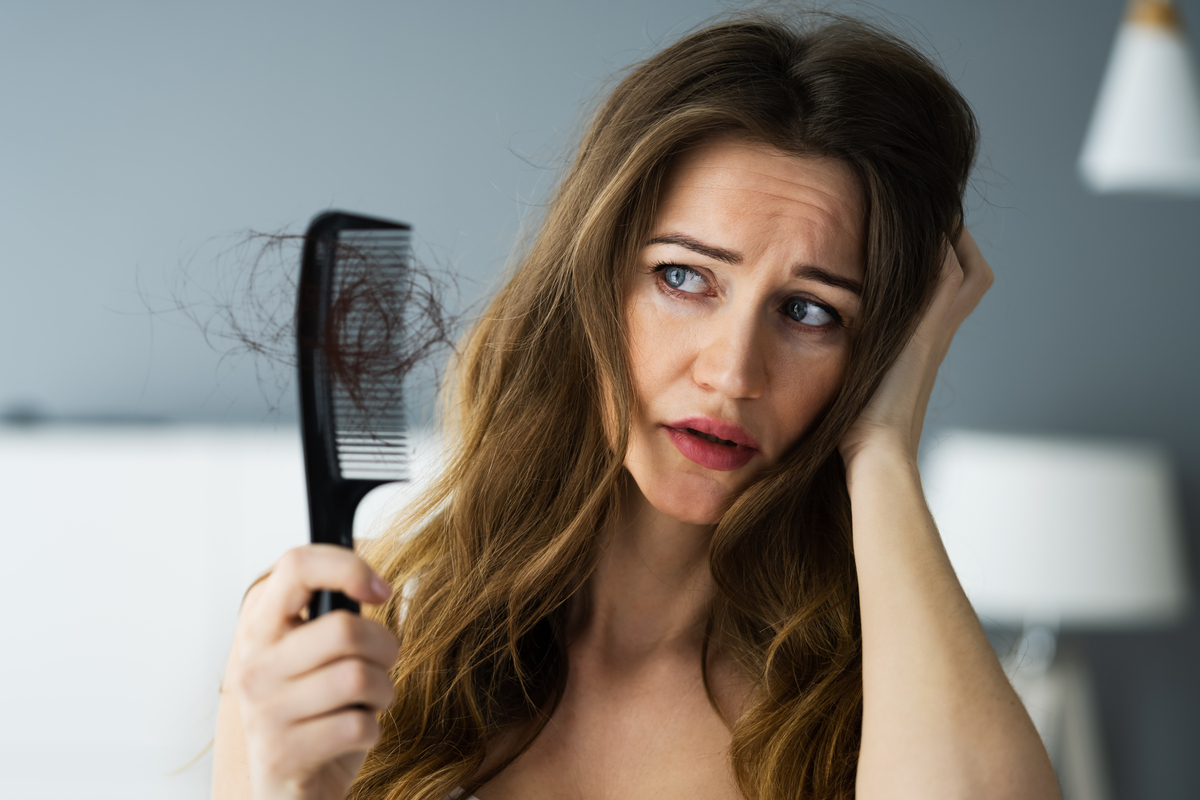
point(492, 556)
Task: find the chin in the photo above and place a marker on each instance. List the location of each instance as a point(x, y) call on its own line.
point(689, 503)
point(690, 517)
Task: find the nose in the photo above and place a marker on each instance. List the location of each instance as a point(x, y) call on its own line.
point(732, 361)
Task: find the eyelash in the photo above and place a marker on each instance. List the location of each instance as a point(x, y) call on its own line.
point(662, 266)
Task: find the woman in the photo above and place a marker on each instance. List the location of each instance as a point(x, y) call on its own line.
point(681, 548)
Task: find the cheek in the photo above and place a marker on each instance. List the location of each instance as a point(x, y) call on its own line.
point(658, 352)
point(810, 389)
point(644, 358)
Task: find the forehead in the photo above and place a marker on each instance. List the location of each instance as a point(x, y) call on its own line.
point(759, 200)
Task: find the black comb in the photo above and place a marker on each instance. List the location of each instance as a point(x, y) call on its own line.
point(349, 323)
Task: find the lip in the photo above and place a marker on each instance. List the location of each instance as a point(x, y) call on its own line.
point(714, 427)
point(713, 455)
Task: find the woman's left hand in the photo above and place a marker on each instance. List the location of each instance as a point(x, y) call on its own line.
point(893, 417)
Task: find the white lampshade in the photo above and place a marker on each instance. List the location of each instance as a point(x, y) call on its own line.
point(1070, 532)
point(1145, 130)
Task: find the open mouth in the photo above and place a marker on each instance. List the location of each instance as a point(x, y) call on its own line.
point(710, 437)
point(708, 449)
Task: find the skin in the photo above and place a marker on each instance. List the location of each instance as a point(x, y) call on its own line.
point(940, 719)
point(734, 355)
point(288, 726)
point(635, 720)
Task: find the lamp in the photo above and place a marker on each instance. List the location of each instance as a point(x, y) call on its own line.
point(1144, 134)
point(1082, 533)
point(1046, 533)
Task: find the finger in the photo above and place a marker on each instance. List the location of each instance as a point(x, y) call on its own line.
point(965, 278)
point(299, 573)
point(342, 684)
point(318, 742)
point(334, 636)
point(931, 335)
point(934, 334)
point(977, 273)
point(969, 255)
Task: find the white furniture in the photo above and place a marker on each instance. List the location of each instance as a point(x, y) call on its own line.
point(1050, 532)
point(126, 553)
point(1052, 529)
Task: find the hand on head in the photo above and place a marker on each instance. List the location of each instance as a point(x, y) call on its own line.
point(896, 412)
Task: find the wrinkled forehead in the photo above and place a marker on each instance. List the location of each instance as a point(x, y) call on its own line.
point(827, 181)
point(810, 203)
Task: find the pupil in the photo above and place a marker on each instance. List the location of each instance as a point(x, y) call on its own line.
point(797, 309)
point(675, 277)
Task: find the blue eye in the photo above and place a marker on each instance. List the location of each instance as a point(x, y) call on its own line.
point(806, 312)
point(683, 279)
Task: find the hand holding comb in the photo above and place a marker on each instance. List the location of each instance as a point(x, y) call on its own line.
point(349, 326)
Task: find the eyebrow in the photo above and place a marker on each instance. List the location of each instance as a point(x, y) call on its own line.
point(828, 278)
point(804, 272)
point(683, 240)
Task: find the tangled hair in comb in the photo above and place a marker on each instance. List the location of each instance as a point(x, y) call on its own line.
point(385, 318)
point(381, 329)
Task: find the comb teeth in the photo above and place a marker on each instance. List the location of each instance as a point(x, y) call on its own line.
point(370, 275)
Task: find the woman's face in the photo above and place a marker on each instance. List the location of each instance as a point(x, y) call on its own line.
point(739, 313)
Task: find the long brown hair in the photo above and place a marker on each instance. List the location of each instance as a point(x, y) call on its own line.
point(494, 552)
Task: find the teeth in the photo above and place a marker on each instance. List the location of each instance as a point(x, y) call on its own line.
point(711, 438)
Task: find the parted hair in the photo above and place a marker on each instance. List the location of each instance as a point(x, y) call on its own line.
point(494, 554)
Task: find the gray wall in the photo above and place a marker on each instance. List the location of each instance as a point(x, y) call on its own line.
point(141, 138)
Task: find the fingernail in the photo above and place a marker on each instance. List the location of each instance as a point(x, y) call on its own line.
point(381, 587)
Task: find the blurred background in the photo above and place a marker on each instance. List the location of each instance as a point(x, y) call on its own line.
point(143, 140)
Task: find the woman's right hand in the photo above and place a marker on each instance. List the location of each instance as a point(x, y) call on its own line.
point(308, 692)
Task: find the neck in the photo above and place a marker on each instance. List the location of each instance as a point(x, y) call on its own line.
point(650, 592)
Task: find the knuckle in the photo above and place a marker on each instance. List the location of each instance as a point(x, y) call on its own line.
point(292, 562)
point(254, 618)
point(384, 694)
point(355, 678)
point(248, 681)
point(360, 727)
point(345, 632)
point(391, 645)
point(253, 596)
